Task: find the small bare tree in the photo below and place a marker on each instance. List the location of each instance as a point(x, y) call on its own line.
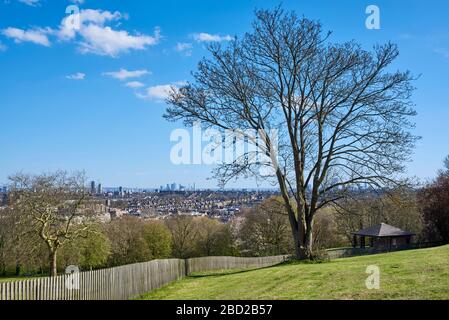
point(56, 206)
point(342, 114)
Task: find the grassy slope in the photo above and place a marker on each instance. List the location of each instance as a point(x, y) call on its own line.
point(414, 274)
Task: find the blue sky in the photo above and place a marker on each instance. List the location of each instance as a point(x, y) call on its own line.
point(91, 100)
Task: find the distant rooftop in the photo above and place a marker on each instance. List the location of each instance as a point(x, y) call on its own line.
point(383, 230)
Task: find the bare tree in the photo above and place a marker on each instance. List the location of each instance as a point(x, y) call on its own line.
point(433, 202)
point(207, 240)
point(446, 163)
point(128, 242)
point(342, 115)
point(184, 234)
point(397, 207)
point(17, 240)
point(56, 206)
point(265, 230)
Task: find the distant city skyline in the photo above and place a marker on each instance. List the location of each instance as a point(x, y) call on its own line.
point(73, 100)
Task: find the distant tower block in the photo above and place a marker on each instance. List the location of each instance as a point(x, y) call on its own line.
point(92, 187)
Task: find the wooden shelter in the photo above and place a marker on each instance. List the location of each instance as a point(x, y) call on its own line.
point(382, 236)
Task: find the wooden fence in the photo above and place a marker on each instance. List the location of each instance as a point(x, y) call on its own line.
point(223, 263)
point(124, 282)
point(118, 283)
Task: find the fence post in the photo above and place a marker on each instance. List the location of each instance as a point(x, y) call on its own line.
point(186, 267)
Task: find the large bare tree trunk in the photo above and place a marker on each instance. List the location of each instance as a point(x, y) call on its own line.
point(303, 238)
point(304, 245)
point(301, 235)
point(53, 263)
point(296, 242)
point(308, 245)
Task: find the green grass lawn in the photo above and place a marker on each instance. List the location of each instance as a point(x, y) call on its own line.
point(9, 279)
point(413, 274)
point(22, 277)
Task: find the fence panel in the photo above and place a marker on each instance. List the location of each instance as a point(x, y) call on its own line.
point(222, 263)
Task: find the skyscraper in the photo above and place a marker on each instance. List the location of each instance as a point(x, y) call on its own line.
point(92, 187)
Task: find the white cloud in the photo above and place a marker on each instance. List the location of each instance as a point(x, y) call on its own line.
point(184, 47)
point(98, 16)
point(37, 35)
point(2, 47)
point(97, 38)
point(158, 93)
point(77, 1)
point(206, 37)
point(134, 84)
point(73, 23)
point(90, 31)
point(124, 74)
point(106, 41)
point(31, 3)
point(76, 76)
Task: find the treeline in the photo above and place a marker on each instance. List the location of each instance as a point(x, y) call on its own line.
point(122, 241)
